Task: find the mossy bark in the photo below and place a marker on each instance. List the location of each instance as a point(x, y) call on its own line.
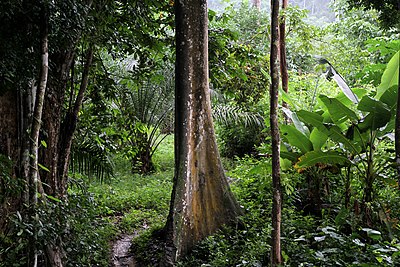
point(201, 200)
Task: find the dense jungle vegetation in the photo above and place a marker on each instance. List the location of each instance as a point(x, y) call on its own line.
point(104, 146)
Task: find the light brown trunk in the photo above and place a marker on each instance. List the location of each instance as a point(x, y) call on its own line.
point(201, 201)
point(257, 4)
point(276, 258)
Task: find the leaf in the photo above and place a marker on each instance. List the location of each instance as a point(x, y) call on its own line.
point(319, 238)
point(286, 98)
point(297, 123)
point(43, 167)
point(292, 156)
point(374, 234)
point(318, 138)
point(390, 76)
point(340, 219)
point(311, 158)
point(335, 133)
point(53, 198)
point(44, 144)
point(359, 92)
point(343, 86)
point(389, 97)
point(338, 112)
point(296, 138)
point(379, 113)
point(312, 118)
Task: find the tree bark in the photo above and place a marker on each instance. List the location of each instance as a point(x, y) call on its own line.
point(397, 131)
point(282, 54)
point(71, 120)
point(36, 124)
point(276, 258)
point(201, 200)
point(257, 4)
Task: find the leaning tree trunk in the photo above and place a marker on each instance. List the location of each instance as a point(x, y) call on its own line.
point(276, 258)
point(36, 125)
point(201, 200)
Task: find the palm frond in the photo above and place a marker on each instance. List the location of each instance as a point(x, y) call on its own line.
point(91, 159)
point(230, 115)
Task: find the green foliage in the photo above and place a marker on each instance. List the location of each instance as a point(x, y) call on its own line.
point(9, 186)
point(388, 11)
point(83, 226)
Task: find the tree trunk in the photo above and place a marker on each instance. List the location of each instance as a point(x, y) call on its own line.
point(257, 4)
point(397, 131)
point(71, 120)
point(201, 200)
point(142, 162)
point(282, 54)
point(36, 125)
point(276, 258)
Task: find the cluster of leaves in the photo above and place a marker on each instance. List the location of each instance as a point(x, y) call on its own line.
point(79, 214)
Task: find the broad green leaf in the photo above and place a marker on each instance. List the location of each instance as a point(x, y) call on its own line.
point(389, 97)
point(318, 138)
point(312, 118)
point(292, 156)
point(344, 87)
point(296, 122)
point(296, 138)
point(341, 218)
point(335, 133)
point(374, 234)
point(359, 92)
point(390, 76)
point(286, 97)
point(369, 104)
point(338, 112)
point(311, 158)
point(379, 113)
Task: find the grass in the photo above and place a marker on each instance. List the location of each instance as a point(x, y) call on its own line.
point(126, 204)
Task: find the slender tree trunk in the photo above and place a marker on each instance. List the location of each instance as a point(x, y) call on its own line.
point(276, 258)
point(71, 120)
point(257, 4)
point(201, 200)
point(397, 131)
point(282, 54)
point(36, 125)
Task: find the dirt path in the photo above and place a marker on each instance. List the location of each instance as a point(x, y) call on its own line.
point(121, 256)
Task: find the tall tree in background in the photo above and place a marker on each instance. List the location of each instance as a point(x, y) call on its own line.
point(257, 4)
point(276, 258)
point(201, 200)
point(282, 51)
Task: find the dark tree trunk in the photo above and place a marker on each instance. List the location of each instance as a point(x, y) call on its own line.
point(314, 201)
point(71, 120)
point(201, 200)
point(282, 54)
point(142, 162)
point(276, 258)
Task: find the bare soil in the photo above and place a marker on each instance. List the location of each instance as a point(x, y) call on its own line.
point(121, 254)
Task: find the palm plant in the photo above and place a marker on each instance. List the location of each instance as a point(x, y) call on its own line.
point(144, 108)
